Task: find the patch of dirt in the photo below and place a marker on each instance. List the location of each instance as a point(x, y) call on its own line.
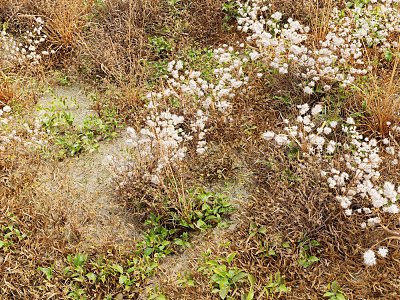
point(79, 191)
point(71, 99)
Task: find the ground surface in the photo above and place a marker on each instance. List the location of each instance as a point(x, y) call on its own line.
point(155, 151)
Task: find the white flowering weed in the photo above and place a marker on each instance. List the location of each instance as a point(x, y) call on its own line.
point(340, 57)
point(27, 48)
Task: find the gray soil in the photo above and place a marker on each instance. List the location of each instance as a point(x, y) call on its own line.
point(80, 190)
point(75, 100)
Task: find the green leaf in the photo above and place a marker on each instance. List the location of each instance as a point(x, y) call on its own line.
point(123, 279)
point(340, 297)
point(239, 277)
point(283, 288)
point(230, 257)
point(148, 251)
point(335, 287)
point(118, 268)
point(252, 279)
point(91, 276)
point(250, 295)
point(201, 224)
point(388, 55)
point(47, 271)
point(79, 259)
point(315, 243)
point(223, 292)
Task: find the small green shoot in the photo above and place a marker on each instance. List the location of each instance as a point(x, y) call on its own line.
point(334, 292)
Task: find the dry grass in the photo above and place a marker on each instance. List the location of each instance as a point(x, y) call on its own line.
point(7, 93)
point(17, 179)
point(381, 101)
point(65, 22)
point(116, 42)
point(286, 196)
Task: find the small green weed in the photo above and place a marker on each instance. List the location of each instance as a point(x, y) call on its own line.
point(186, 280)
point(161, 45)
point(10, 234)
point(72, 139)
point(276, 285)
point(306, 259)
point(156, 241)
point(47, 271)
point(334, 292)
point(206, 210)
point(224, 277)
point(231, 11)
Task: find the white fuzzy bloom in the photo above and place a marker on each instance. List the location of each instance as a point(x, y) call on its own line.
point(269, 135)
point(327, 130)
point(282, 139)
point(383, 251)
point(276, 16)
point(303, 109)
point(369, 258)
point(373, 221)
point(307, 90)
point(331, 147)
point(350, 121)
point(6, 108)
point(316, 109)
point(254, 55)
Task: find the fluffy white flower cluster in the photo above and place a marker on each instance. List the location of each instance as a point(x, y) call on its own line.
point(197, 96)
point(340, 57)
point(356, 182)
point(370, 257)
point(5, 118)
point(362, 161)
point(29, 137)
point(158, 145)
point(198, 126)
point(187, 85)
point(28, 48)
point(5, 114)
point(206, 94)
point(361, 158)
point(308, 132)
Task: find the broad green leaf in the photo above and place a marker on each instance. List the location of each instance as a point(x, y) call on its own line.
point(123, 279)
point(118, 268)
point(230, 257)
point(91, 276)
point(239, 277)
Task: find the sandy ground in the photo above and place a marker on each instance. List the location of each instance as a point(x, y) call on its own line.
point(81, 188)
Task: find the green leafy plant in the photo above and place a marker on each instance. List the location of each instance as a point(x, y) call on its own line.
point(306, 259)
point(47, 271)
point(231, 11)
point(173, 2)
point(224, 277)
point(183, 240)
point(204, 210)
point(77, 294)
point(157, 239)
point(186, 280)
point(160, 45)
point(276, 285)
point(10, 234)
point(333, 292)
point(72, 139)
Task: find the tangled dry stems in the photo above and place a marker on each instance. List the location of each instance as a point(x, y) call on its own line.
point(291, 206)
